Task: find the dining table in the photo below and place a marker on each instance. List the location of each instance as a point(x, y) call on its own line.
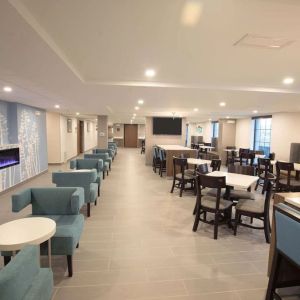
point(198, 161)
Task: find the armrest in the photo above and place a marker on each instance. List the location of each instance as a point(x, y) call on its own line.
point(77, 200)
point(100, 165)
point(73, 164)
point(21, 200)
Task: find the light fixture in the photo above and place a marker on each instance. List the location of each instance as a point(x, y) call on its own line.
point(227, 117)
point(7, 89)
point(255, 111)
point(136, 108)
point(141, 101)
point(196, 109)
point(56, 106)
point(150, 73)
point(222, 104)
point(288, 80)
point(134, 115)
point(77, 114)
point(209, 119)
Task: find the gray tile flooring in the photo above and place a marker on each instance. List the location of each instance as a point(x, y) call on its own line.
point(139, 244)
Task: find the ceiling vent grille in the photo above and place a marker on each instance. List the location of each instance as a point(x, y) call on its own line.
point(259, 41)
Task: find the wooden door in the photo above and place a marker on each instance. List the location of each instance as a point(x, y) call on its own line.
point(80, 137)
point(130, 135)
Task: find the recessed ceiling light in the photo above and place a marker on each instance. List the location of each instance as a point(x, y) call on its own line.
point(196, 109)
point(56, 106)
point(222, 103)
point(134, 115)
point(140, 101)
point(136, 108)
point(77, 114)
point(227, 117)
point(150, 73)
point(7, 89)
point(288, 80)
point(209, 119)
point(255, 111)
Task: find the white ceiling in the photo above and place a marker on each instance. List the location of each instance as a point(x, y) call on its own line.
point(90, 56)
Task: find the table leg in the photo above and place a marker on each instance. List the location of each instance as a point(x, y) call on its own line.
point(49, 253)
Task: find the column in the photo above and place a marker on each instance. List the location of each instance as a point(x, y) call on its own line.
point(102, 132)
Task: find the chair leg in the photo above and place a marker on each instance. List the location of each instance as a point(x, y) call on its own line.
point(160, 170)
point(181, 188)
point(236, 221)
point(107, 172)
point(195, 208)
point(273, 275)
point(197, 218)
point(173, 186)
point(98, 190)
point(103, 174)
point(70, 265)
point(88, 209)
point(95, 202)
point(6, 259)
point(216, 225)
point(77, 246)
point(267, 230)
point(257, 183)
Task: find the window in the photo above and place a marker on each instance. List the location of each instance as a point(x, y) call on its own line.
point(215, 129)
point(262, 128)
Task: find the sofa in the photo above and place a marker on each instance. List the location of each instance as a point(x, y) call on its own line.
point(23, 278)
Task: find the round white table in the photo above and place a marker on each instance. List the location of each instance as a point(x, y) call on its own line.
point(14, 235)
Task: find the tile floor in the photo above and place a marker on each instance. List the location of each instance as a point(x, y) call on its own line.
point(139, 244)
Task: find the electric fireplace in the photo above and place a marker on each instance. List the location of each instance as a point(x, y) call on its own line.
point(9, 157)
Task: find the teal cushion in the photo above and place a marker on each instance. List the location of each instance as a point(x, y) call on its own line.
point(93, 192)
point(67, 235)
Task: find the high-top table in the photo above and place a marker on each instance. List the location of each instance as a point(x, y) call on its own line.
point(14, 235)
point(176, 150)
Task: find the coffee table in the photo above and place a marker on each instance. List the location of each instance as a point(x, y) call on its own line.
point(14, 235)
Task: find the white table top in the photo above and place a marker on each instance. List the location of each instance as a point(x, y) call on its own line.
point(206, 147)
point(260, 156)
point(238, 181)
point(14, 235)
point(197, 161)
point(173, 147)
point(230, 150)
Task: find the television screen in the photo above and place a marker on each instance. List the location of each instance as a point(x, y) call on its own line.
point(170, 126)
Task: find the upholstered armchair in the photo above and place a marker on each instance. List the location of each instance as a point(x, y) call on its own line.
point(104, 156)
point(23, 278)
point(114, 146)
point(61, 204)
point(85, 179)
point(89, 164)
point(110, 151)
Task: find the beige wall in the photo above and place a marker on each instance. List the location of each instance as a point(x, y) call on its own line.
point(284, 132)
point(152, 140)
point(141, 131)
point(53, 137)
point(206, 131)
point(244, 136)
point(68, 139)
point(90, 137)
point(120, 133)
point(227, 135)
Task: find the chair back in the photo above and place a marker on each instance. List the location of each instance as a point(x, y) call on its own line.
point(287, 222)
point(207, 144)
point(272, 156)
point(87, 164)
point(216, 164)
point(269, 188)
point(287, 167)
point(202, 169)
point(243, 150)
point(245, 170)
point(246, 156)
point(104, 156)
point(179, 164)
point(161, 154)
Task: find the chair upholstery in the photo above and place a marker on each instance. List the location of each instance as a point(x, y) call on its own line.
point(61, 204)
point(210, 202)
point(114, 146)
point(110, 151)
point(23, 278)
point(104, 156)
point(82, 164)
point(256, 206)
point(85, 179)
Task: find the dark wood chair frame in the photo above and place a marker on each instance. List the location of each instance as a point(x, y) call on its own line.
point(254, 215)
point(288, 167)
point(162, 162)
point(216, 164)
point(203, 181)
point(156, 160)
point(143, 149)
point(180, 182)
point(264, 173)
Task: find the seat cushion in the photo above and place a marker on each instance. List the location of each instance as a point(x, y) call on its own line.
point(93, 192)
point(249, 205)
point(186, 176)
point(106, 166)
point(67, 235)
point(189, 172)
point(213, 192)
point(293, 182)
point(210, 202)
point(236, 194)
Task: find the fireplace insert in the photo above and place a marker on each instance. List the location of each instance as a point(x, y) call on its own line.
point(9, 157)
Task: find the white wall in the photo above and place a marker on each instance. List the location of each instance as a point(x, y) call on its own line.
point(90, 137)
point(68, 139)
point(285, 130)
point(243, 138)
point(141, 131)
point(120, 133)
point(206, 131)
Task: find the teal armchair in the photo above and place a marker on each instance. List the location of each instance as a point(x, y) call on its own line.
point(23, 278)
point(114, 146)
point(61, 204)
point(110, 151)
point(83, 164)
point(84, 179)
point(104, 156)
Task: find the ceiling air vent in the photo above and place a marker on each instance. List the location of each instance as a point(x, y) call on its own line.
point(259, 41)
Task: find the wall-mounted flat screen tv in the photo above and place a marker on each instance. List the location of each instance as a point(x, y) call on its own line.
point(167, 126)
point(9, 157)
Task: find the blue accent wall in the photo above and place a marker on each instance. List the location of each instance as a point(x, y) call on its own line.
point(26, 126)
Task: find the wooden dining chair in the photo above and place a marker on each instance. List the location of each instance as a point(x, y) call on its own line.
point(241, 150)
point(284, 180)
point(162, 162)
point(220, 208)
point(230, 155)
point(264, 173)
point(255, 209)
point(155, 159)
point(180, 177)
point(216, 164)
